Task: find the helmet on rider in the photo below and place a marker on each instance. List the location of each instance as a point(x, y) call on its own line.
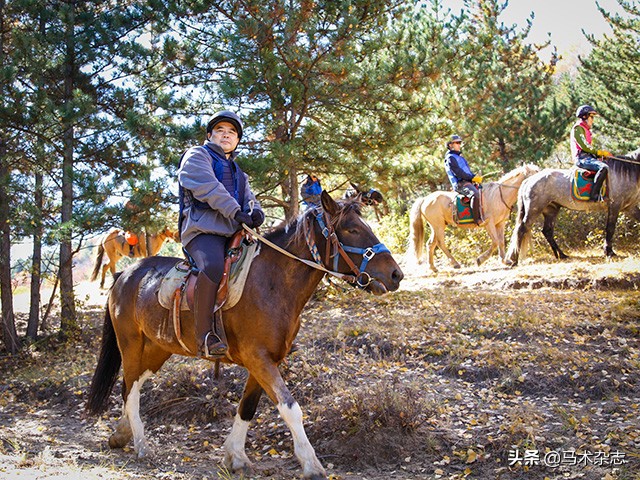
point(225, 116)
point(454, 139)
point(584, 111)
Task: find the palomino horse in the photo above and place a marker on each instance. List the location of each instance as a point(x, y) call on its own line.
point(437, 210)
point(372, 198)
point(114, 244)
point(260, 328)
point(546, 192)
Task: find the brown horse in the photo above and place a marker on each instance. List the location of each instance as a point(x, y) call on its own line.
point(114, 244)
point(138, 333)
point(437, 210)
point(372, 198)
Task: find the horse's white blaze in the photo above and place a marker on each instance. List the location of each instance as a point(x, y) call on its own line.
point(132, 412)
point(292, 416)
point(235, 457)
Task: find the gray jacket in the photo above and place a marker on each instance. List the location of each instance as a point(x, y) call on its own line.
point(196, 175)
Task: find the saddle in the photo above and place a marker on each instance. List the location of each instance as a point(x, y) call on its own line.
point(176, 289)
point(462, 213)
point(582, 183)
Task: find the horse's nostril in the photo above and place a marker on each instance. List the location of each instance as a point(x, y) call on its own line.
point(397, 275)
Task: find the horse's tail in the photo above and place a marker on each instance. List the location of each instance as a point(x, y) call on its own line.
point(416, 230)
point(98, 263)
point(520, 239)
point(107, 369)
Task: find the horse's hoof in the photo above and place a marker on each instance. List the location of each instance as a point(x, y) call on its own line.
point(317, 476)
point(238, 463)
point(456, 266)
point(143, 450)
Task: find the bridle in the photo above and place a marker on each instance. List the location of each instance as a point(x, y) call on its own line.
point(500, 185)
point(336, 249)
point(367, 198)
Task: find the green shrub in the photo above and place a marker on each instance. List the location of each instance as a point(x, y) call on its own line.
point(393, 231)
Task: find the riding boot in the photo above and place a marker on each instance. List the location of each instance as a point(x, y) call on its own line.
point(475, 210)
point(209, 344)
point(598, 181)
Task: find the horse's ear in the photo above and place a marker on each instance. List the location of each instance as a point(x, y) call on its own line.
point(355, 187)
point(329, 204)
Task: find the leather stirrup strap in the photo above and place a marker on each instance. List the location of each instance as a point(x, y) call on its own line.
point(177, 302)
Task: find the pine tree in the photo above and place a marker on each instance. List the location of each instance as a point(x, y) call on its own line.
point(286, 67)
point(82, 109)
point(609, 78)
point(502, 93)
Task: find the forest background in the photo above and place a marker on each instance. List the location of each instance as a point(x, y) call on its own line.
point(100, 99)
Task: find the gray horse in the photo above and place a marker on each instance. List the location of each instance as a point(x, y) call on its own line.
point(549, 190)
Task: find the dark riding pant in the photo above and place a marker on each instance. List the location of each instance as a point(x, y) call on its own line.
point(594, 164)
point(468, 189)
point(208, 252)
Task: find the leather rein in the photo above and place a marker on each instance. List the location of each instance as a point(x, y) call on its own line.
point(334, 249)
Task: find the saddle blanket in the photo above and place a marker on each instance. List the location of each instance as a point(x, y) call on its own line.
point(177, 276)
point(582, 183)
point(462, 213)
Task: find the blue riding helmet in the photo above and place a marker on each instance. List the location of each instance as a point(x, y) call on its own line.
point(584, 111)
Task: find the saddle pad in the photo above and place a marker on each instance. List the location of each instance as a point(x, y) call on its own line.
point(582, 183)
point(237, 278)
point(462, 210)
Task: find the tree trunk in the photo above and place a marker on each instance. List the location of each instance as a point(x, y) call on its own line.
point(294, 198)
point(504, 158)
point(9, 334)
point(68, 323)
point(36, 268)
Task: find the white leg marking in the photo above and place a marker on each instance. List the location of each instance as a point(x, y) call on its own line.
point(292, 416)
point(132, 412)
point(235, 457)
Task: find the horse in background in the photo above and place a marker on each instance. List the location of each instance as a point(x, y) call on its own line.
point(437, 208)
point(140, 335)
point(372, 198)
point(114, 244)
point(549, 190)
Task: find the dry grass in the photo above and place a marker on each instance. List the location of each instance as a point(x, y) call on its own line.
point(438, 380)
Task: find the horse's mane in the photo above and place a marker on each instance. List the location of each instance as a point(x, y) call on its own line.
point(293, 231)
point(627, 168)
point(517, 171)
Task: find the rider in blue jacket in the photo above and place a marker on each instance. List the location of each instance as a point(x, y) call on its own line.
point(310, 192)
point(462, 179)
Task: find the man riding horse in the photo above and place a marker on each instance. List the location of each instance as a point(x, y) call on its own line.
point(583, 153)
point(215, 200)
point(462, 179)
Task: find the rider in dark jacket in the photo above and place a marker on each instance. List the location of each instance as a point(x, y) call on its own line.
point(217, 200)
point(462, 179)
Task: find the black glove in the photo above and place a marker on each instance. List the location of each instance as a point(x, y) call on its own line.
point(245, 218)
point(257, 217)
